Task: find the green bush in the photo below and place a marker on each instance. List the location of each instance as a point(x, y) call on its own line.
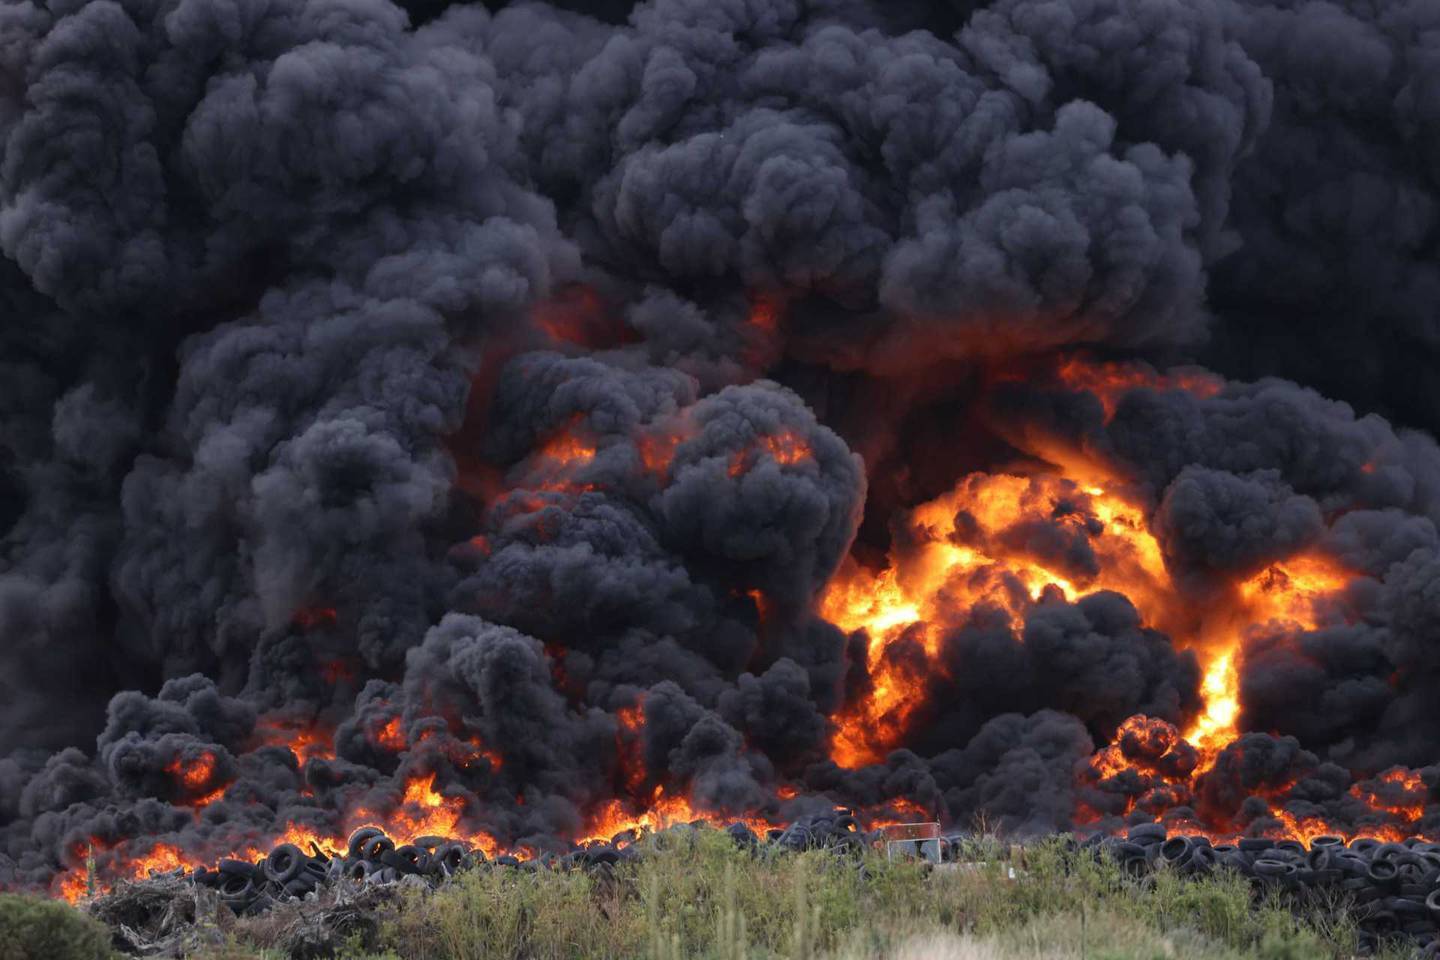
point(35, 929)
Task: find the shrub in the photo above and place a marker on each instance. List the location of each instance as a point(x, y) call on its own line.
point(36, 929)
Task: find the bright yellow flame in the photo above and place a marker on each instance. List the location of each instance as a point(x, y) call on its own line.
point(961, 550)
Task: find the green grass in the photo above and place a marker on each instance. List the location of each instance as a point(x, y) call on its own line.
point(707, 899)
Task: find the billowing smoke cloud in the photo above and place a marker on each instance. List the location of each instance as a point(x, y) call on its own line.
point(487, 398)
point(1335, 208)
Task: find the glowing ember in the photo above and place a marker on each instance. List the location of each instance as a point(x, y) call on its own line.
point(194, 774)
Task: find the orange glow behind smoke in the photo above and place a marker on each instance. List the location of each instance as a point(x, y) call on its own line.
point(631, 721)
point(308, 618)
point(194, 776)
point(390, 736)
point(567, 449)
point(1109, 381)
point(305, 743)
point(786, 449)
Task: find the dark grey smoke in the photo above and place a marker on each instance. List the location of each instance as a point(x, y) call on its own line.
point(1335, 208)
point(444, 379)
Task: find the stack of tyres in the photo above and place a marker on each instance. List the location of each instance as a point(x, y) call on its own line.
point(1394, 888)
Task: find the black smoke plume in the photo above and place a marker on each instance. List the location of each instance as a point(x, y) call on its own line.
point(456, 383)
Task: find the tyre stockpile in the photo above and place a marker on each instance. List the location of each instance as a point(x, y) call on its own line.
point(372, 858)
point(1394, 887)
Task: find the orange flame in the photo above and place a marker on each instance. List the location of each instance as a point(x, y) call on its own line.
point(965, 549)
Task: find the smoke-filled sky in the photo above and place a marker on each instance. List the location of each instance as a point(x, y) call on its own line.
point(509, 396)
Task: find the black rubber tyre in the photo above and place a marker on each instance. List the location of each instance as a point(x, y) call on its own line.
point(360, 869)
point(1146, 833)
point(394, 860)
point(1389, 851)
point(1277, 869)
point(376, 847)
point(597, 855)
point(360, 838)
point(450, 859)
point(1367, 895)
point(242, 868)
point(1122, 850)
point(236, 886)
point(1432, 904)
point(300, 885)
point(1255, 844)
point(1405, 908)
point(1203, 860)
point(1352, 863)
point(742, 835)
point(1383, 871)
point(284, 863)
point(1177, 851)
point(416, 857)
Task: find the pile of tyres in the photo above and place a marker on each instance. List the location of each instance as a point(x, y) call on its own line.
point(371, 858)
point(1393, 889)
point(290, 873)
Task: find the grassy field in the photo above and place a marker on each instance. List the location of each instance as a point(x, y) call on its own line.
point(707, 899)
